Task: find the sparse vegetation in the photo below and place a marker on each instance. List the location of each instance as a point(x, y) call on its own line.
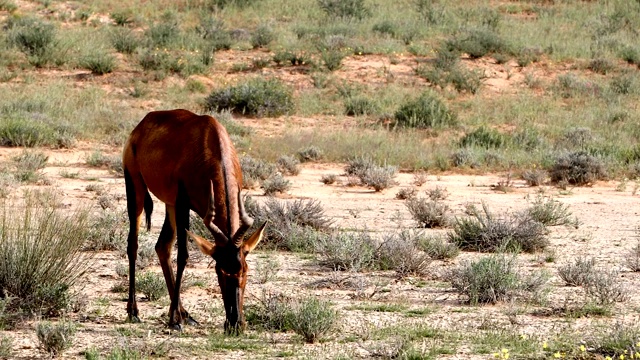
point(427, 111)
point(577, 168)
point(428, 213)
point(151, 285)
point(54, 338)
point(258, 97)
point(313, 318)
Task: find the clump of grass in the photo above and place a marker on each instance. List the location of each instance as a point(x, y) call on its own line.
point(108, 231)
point(494, 278)
point(605, 288)
point(122, 17)
point(332, 59)
point(353, 250)
point(370, 174)
point(486, 232)
point(478, 43)
point(276, 183)
point(259, 97)
point(617, 341)
point(437, 247)
point(6, 346)
point(99, 63)
point(550, 212)
point(360, 105)
point(151, 285)
point(570, 85)
point(577, 168)
point(345, 9)
point(398, 252)
point(438, 193)
point(406, 193)
point(28, 166)
point(310, 153)
point(428, 213)
point(535, 177)
point(484, 137)
point(632, 259)
point(601, 66)
point(55, 338)
point(288, 165)
point(255, 170)
point(426, 111)
point(287, 219)
point(579, 272)
point(267, 269)
point(262, 36)
point(272, 312)
point(313, 318)
point(329, 179)
point(35, 38)
point(125, 41)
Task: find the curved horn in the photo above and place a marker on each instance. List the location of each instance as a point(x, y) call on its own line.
point(245, 221)
point(219, 237)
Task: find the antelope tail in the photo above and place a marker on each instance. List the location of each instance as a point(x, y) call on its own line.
point(148, 209)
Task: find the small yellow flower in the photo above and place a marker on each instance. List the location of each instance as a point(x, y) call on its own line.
point(607, 358)
point(545, 345)
point(504, 351)
point(621, 356)
point(557, 355)
point(496, 355)
point(582, 348)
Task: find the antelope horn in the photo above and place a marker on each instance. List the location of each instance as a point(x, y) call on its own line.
point(245, 221)
point(219, 237)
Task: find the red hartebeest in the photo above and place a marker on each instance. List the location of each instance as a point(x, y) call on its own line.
point(189, 163)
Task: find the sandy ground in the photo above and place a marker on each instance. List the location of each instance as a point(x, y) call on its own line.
point(608, 216)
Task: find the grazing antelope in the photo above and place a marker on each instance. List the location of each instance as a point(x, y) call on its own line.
point(189, 163)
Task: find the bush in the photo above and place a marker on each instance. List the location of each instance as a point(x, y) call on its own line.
point(288, 165)
point(276, 183)
point(601, 66)
point(399, 252)
point(262, 36)
point(577, 273)
point(426, 111)
point(577, 168)
point(360, 105)
point(630, 55)
point(151, 285)
point(332, 59)
point(125, 41)
point(406, 193)
point(6, 346)
point(633, 258)
point(534, 177)
point(492, 279)
point(353, 251)
point(108, 231)
point(485, 138)
point(255, 170)
point(570, 85)
point(478, 43)
point(379, 177)
point(259, 97)
point(28, 166)
point(122, 18)
point(288, 221)
point(41, 255)
point(163, 34)
point(329, 179)
point(272, 313)
point(617, 341)
point(605, 288)
point(55, 338)
point(465, 80)
point(99, 63)
point(310, 153)
point(345, 9)
point(428, 214)
point(437, 247)
point(313, 318)
point(485, 232)
point(550, 212)
point(33, 37)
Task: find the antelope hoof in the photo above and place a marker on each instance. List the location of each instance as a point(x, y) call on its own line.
point(175, 327)
point(191, 321)
point(134, 319)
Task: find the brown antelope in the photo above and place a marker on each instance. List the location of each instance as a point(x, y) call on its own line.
point(189, 163)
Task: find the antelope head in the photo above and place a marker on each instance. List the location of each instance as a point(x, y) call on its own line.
point(230, 255)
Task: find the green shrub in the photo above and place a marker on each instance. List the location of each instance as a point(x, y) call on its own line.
point(151, 285)
point(601, 66)
point(41, 258)
point(437, 247)
point(287, 220)
point(9, 6)
point(605, 288)
point(310, 153)
point(465, 80)
point(122, 18)
point(345, 9)
point(272, 312)
point(332, 59)
point(360, 105)
point(28, 166)
point(259, 97)
point(313, 318)
point(478, 43)
point(484, 137)
point(398, 252)
point(352, 251)
point(275, 183)
point(570, 85)
point(486, 232)
point(428, 214)
point(577, 168)
point(150, 59)
point(125, 41)
point(579, 272)
point(214, 31)
point(550, 212)
point(262, 36)
point(240, 4)
point(617, 341)
point(492, 279)
point(630, 55)
point(55, 338)
point(386, 27)
point(108, 231)
point(624, 84)
point(288, 165)
point(163, 34)
point(6, 346)
point(99, 63)
point(255, 170)
point(22, 130)
point(35, 38)
point(446, 59)
point(296, 58)
point(427, 111)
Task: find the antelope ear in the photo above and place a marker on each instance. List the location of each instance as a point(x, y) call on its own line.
point(251, 243)
point(206, 246)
